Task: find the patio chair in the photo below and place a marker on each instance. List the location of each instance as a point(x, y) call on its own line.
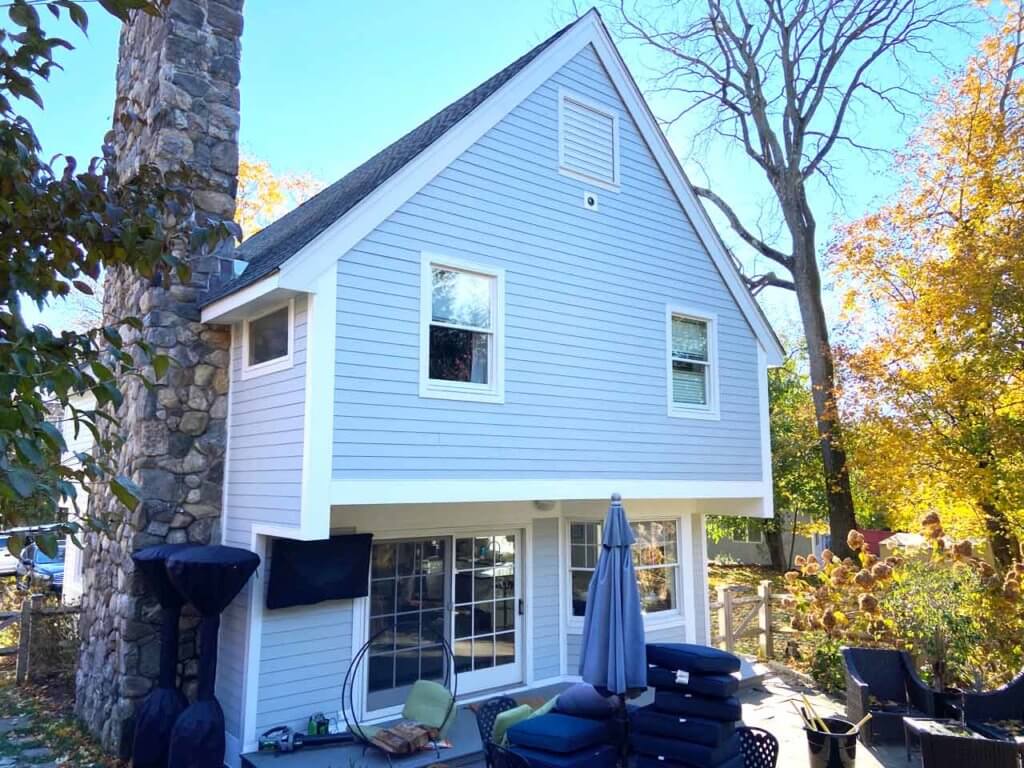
point(885, 683)
point(499, 757)
point(760, 749)
point(938, 751)
point(1005, 703)
point(486, 714)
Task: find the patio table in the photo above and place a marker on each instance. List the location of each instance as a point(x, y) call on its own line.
point(947, 743)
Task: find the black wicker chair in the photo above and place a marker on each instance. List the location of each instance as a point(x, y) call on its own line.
point(499, 757)
point(486, 714)
point(760, 748)
point(939, 751)
point(885, 683)
point(1005, 703)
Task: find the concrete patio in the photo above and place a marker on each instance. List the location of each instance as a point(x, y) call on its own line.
point(765, 705)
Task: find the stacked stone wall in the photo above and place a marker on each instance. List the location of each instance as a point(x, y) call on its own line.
point(178, 75)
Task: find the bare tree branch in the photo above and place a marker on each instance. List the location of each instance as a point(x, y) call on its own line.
point(748, 237)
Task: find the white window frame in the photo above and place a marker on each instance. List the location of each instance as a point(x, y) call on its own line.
point(278, 363)
point(567, 95)
point(494, 390)
point(673, 617)
point(746, 533)
point(710, 411)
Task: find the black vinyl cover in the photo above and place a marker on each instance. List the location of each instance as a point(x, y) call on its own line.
point(310, 572)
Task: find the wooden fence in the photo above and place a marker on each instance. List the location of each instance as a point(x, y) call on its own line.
point(745, 612)
point(31, 618)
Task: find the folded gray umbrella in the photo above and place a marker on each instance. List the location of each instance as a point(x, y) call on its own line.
point(613, 655)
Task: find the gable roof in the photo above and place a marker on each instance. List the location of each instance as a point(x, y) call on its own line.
point(269, 248)
point(294, 251)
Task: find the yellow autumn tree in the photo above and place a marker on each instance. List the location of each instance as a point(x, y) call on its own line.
point(934, 310)
point(264, 196)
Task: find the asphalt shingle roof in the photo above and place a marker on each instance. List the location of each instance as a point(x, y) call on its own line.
point(273, 246)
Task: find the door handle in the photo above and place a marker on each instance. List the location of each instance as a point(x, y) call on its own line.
point(522, 606)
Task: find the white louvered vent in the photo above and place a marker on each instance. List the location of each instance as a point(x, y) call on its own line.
point(588, 140)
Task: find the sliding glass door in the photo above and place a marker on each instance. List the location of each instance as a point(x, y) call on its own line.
point(462, 588)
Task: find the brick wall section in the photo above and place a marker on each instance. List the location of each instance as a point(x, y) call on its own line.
point(179, 73)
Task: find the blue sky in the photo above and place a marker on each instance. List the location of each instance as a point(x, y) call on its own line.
point(326, 84)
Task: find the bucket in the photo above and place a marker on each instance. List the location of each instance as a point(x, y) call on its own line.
point(833, 750)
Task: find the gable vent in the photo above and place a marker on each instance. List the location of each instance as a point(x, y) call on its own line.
point(588, 140)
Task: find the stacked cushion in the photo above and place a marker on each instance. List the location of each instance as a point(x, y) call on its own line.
point(581, 732)
point(726, 710)
point(604, 756)
point(692, 722)
point(558, 733)
point(718, 686)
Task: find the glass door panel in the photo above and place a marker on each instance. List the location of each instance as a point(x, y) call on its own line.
point(486, 616)
point(408, 586)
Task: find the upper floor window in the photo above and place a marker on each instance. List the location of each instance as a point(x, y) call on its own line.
point(692, 373)
point(267, 341)
point(461, 343)
point(588, 140)
point(655, 561)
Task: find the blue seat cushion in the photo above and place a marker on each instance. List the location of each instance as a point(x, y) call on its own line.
point(719, 686)
point(695, 729)
point(604, 756)
point(692, 658)
point(583, 700)
point(558, 733)
point(690, 704)
point(685, 752)
point(646, 761)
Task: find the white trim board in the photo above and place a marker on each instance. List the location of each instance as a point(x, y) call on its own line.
point(300, 272)
point(397, 491)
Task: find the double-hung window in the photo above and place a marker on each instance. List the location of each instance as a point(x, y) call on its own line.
point(692, 370)
point(461, 331)
point(655, 561)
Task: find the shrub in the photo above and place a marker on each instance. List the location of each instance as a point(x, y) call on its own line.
point(960, 619)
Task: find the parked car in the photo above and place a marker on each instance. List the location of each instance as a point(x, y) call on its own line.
point(38, 570)
point(8, 562)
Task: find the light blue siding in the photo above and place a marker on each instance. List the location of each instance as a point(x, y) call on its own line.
point(546, 630)
point(585, 306)
point(303, 659)
point(264, 470)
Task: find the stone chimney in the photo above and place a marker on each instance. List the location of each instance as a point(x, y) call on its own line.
point(179, 72)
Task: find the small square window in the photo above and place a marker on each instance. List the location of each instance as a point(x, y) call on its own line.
point(268, 341)
point(461, 318)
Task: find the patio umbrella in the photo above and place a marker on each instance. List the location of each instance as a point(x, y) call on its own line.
point(613, 655)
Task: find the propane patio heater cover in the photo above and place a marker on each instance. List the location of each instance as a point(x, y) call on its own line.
point(209, 578)
point(163, 705)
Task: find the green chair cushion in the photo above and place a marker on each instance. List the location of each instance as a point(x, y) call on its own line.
point(546, 707)
point(430, 704)
point(507, 719)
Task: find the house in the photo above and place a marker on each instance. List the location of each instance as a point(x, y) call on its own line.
point(464, 347)
point(750, 546)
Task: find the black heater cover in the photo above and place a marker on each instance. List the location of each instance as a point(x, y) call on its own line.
point(208, 578)
point(309, 572)
point(161, 708)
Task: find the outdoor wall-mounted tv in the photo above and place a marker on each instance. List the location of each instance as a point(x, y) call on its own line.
point(310, 572)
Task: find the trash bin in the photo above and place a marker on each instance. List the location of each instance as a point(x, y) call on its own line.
point(837, 749)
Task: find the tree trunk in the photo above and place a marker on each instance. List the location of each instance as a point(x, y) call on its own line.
point(773, 539)
point(1005, 547)
point(819, 353)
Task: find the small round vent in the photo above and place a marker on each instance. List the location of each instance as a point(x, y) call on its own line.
point(590, 201)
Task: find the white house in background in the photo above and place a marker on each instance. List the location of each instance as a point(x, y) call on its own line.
point(80, 443)
point(464, 347)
